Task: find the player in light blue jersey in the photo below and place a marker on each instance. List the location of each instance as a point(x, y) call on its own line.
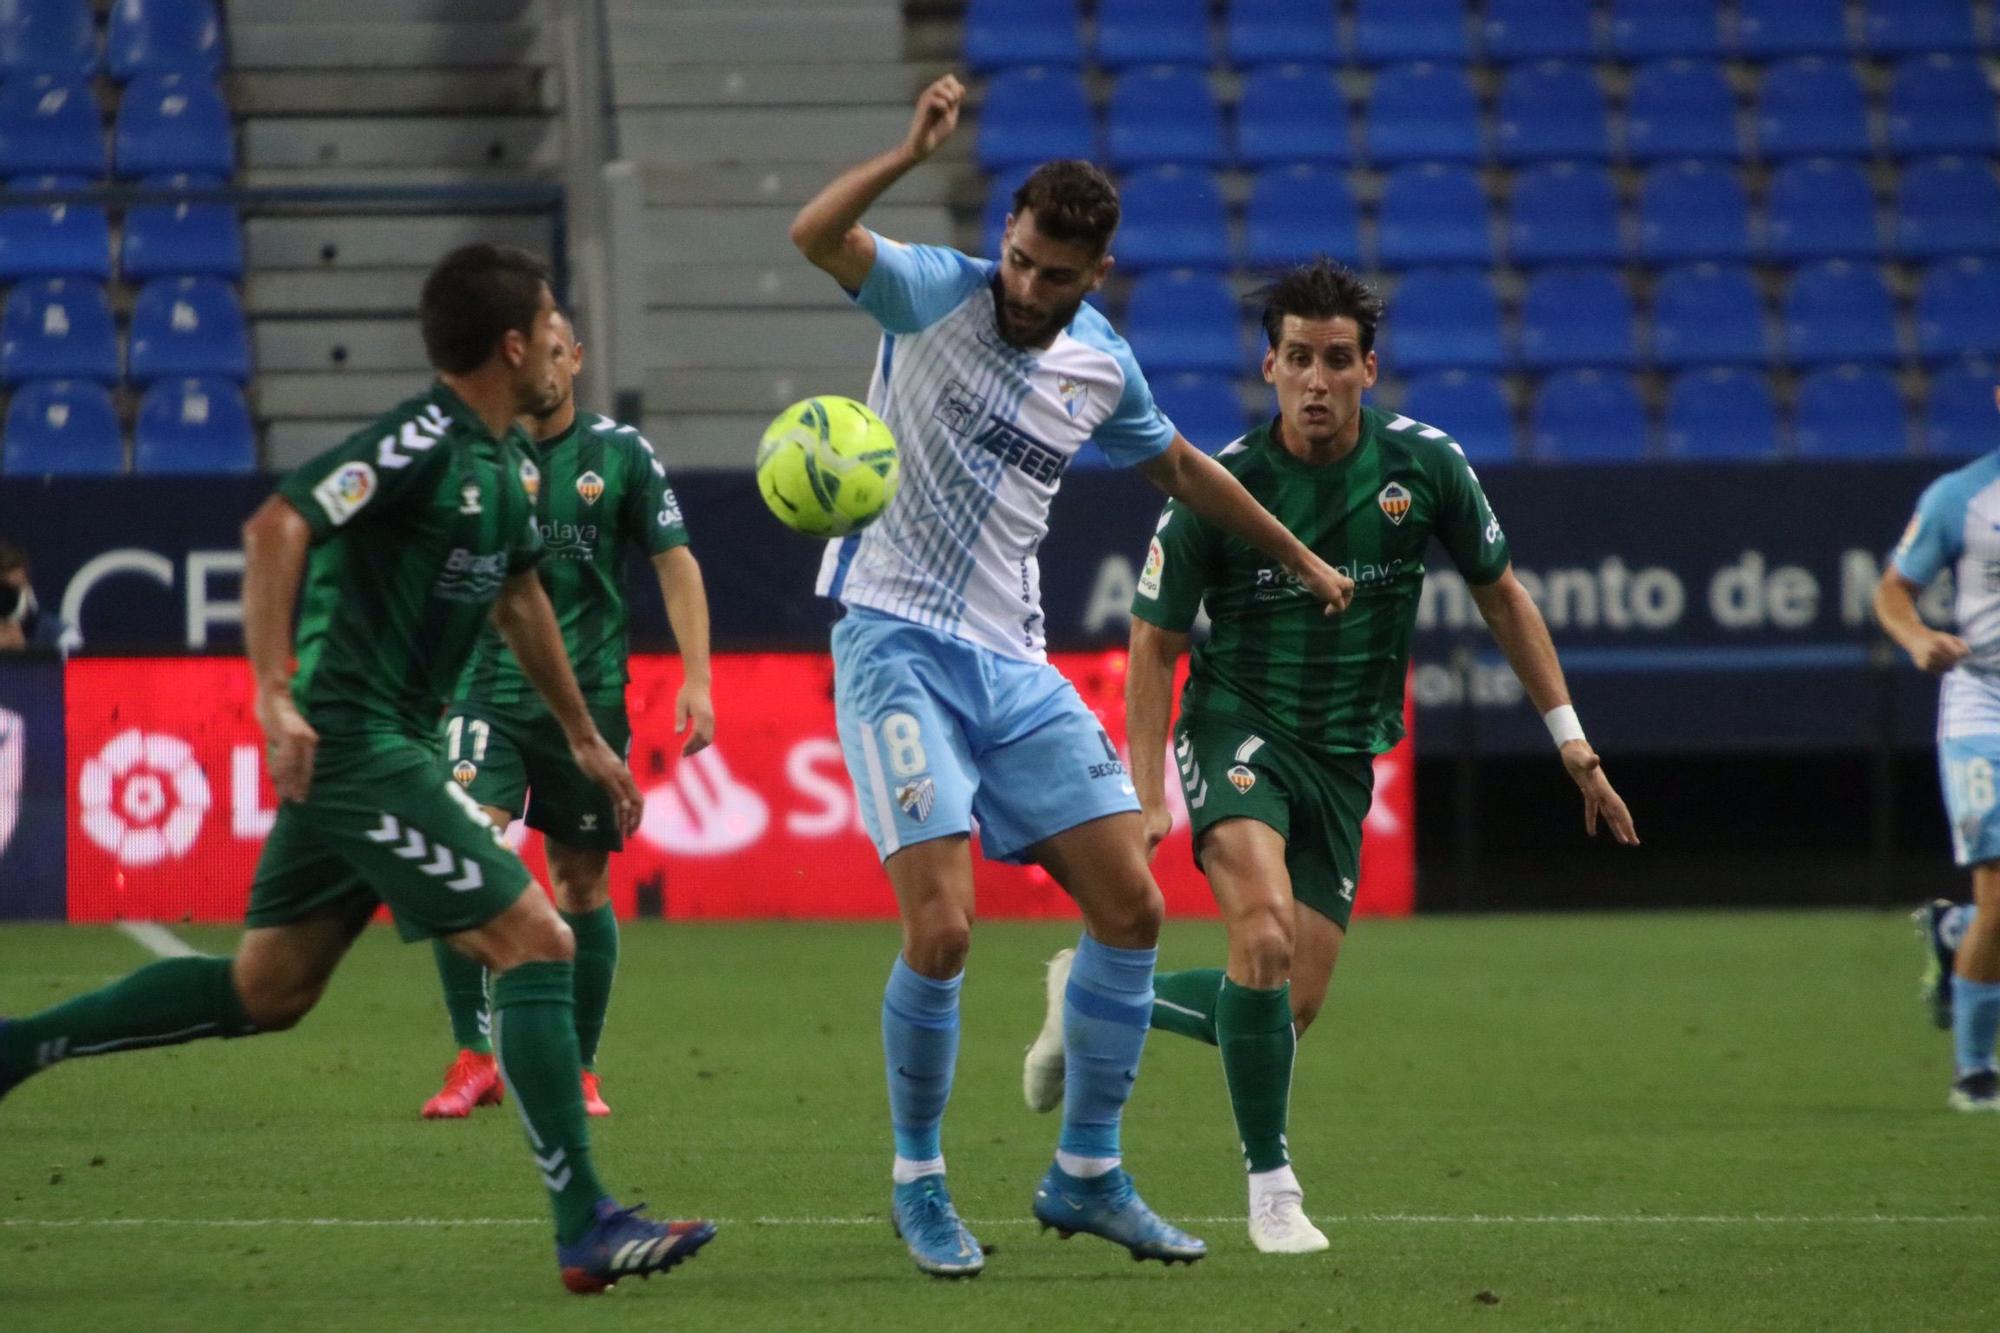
point(1957, 526)
point(992, 375)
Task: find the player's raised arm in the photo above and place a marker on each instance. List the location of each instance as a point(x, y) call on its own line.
point(1517, 626)
point(527, 622)
point(274, 555)
point(1208, 490)
point(828, 229)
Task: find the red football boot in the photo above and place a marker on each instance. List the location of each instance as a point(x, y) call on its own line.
point(593, 1100)
point(473, 1080)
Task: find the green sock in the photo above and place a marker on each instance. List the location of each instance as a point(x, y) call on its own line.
point(596, 963)
point(162, 1004)
point(1184, 1002)
point(535, 1031)
point(464, 998)
point(1255, 1031)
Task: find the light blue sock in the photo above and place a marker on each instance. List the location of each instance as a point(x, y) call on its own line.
point(1975, 1023)
point(920, 1048)
point(1106, 1012)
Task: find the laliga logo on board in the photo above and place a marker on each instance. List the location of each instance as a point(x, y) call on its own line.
point(1395, 502)
point(590, 486)
point(143, 797)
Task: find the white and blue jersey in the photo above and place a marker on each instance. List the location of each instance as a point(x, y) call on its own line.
point(1957, 527)
point(986, 431)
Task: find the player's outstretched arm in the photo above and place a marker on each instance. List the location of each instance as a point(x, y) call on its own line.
point(527, 622)
point(828, 229)
point(1212, 492)
point(1149, 709)
point(1517, 626)
point(687, 613)
point(1896, 608)
point(275, 540)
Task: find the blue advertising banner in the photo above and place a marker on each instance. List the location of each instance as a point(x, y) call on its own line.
point(32, 826)
point(1696, 606)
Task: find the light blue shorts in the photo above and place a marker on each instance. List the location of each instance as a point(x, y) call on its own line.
point(1970, 768)
point(940, 733)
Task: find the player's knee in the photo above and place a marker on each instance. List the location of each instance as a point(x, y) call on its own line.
point(276, 1004)
point(1263, 940)
point(939, 940)
point(1131, 920)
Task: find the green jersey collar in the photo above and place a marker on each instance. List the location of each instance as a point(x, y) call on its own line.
point(465, 419)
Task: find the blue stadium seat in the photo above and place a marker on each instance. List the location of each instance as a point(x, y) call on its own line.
point(1589, 416)
point(1539, 30)
point(1173, 218)
point(163, 36)
point(1432, 213)
point(1820, 208)
point(1960, 417)
point(1652, 29)
point(1958, 309)
point(1471, 407)
point(193, 426)
point(1266, 32)
point(49, 126)
point(1551, 109)
point(1578, 316)
point(1850, 412)
point(1391, 30)
point(1767, 29)
point(1163, 114)
point(993, 220)
point(54, 240)
point(1905, 27)
point(188, 326)
point(1839, 311)
point(47, 37)
point(1032, 115)
point(1941, 104)
point(1204, 408)
point(1185, 321)
point(171, 240)
point(1444, 319)
point(999, 33)
point(1693, 210)
point(1680, 108)
point(1809, 105)
point(1564, 212)
point(1298, 212)
point(1721, 412)
point(1946, 206)
point(57, 328)
point(1423, 112)
point(173, 122)
point(62, 427)
point(1291, 113)
point(1152, 32)
point(1708, 314)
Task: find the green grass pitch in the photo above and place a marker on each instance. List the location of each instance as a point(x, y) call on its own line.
point(1618, 1122)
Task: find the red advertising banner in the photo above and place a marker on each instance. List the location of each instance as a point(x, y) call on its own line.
point(170, 803)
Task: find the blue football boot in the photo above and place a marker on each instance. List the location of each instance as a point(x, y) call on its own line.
point(923, 1215)
point(623, 1244)
point(1110, 1207)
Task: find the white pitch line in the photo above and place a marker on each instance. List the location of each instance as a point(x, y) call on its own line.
point(1358, 1219)
point(157, 939)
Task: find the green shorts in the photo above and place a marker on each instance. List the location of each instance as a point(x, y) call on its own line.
point(516, 758)
point(1316, 802)
point(382, 821)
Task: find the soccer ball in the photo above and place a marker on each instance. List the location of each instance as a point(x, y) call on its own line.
point(827, 466)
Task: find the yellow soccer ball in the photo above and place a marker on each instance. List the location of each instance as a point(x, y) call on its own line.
point(827, 466)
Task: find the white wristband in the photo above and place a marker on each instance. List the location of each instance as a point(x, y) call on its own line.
point(1562, 724)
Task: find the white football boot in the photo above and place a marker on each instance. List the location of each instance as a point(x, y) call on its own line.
point(1278, 1222)
point(1042, 1069)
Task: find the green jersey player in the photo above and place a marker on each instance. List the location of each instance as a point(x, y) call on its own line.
point(1285, 709)
point(600, 493)
point(410, 536)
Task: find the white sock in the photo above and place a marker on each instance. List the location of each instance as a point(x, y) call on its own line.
point(905, 1170)
point(1086, 1168)
point(1263, 1184)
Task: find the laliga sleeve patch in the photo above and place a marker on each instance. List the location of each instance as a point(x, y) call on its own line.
point(1910, 534)
point(1156, 565)
point(344, 491)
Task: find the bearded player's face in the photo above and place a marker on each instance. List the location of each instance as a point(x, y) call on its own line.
point(1042, 281)
point(540, 385)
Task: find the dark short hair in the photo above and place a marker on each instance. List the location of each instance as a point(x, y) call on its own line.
point(1072, 201)
point(12, 557)
point(1322, 289)
point(473, 297)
